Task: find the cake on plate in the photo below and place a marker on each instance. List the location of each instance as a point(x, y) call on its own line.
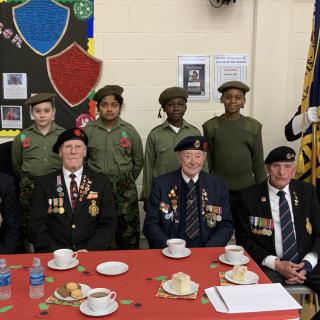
point(239, 273)
point(181, 282)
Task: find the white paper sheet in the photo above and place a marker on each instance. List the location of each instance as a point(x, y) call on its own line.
point(251, 298)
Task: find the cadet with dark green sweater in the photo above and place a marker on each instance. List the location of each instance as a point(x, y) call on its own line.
point(115, 148)
point(235, 149)
point(160, 157)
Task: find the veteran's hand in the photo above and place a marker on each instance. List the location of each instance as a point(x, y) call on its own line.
point(298, 280)
point(289, 270)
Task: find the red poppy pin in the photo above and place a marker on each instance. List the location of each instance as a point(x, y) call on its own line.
point(124, 141)
point(26, 143)
point(77, 132)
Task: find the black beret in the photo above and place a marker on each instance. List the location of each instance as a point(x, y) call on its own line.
point(107, 90)
point(192, 143)
point(172, 93)
point(280, 154)
point(234, 84)
point(40, 97)
point(70, 134)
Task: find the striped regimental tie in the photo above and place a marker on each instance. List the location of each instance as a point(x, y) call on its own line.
point(73, 190)
point(289, 243)
point(192, 218)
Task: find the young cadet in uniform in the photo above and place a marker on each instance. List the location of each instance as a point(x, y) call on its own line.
point(160, 157)
point(235, 144)
point(31, 152)
point(115, 148)
point(189, 203)
point(72, 207)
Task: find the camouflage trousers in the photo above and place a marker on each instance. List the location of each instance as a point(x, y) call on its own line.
point(26, 190)
point(126, 201)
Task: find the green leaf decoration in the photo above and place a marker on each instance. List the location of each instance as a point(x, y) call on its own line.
point(124, 301)
point(22, 137)
point(213, 265)
point(124, 134)
point(161, 278)
point(204, 300)
point(19, 266)
point(43, 306)
point(50, 279)
point(5, 309)
point(81, 268)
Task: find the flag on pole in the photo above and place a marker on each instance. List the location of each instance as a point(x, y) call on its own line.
point(310, 98)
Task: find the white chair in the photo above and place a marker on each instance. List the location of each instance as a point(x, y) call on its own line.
point(303, 290)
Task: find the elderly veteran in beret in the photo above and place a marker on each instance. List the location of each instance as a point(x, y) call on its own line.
point(189, 203)
point(160, 157)
point(115, 149)
point(72, 207)
point(280, 223)
point(31, 152)
point(235, 148)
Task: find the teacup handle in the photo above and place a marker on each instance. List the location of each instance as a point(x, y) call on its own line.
point(112, 295)
point(167, 243)
point(75, 255)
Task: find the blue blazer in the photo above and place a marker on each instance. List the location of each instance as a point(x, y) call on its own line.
point(163, 210)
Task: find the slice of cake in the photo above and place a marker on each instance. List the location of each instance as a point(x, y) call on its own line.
point(180, 282)
point(239, 273)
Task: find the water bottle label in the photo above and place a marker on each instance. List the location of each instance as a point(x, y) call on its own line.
point(36, 279)
point(5, 279)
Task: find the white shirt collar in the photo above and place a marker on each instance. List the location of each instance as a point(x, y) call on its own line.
point(187, 179)
point(67, 173)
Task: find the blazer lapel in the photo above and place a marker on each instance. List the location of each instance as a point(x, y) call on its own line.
point(296, 209)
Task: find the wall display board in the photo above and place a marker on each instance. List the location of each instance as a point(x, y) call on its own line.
point(47, 46)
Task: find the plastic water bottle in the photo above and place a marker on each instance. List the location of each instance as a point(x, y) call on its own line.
point(36, 273)
point(5, 280)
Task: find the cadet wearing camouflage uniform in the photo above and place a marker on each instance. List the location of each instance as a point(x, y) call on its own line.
point(235, 150)
point(160, 157)
point(115, 148)
point(31, 152)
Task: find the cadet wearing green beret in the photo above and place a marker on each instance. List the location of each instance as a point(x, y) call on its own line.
point(160, 157)
point(31, 152)
point(235, 144)
point(115, 148)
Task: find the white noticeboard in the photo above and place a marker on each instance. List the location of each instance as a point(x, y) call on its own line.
point(228, 68)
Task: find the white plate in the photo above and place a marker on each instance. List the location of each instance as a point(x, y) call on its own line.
point(244, 260)
point(250, 277)
point(112, 268)
point(84, 289)
point(168, 288)
point(167, 253)
point(51, 264)
point(84, 308)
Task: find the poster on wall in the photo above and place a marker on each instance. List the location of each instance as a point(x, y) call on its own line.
point(229, 68)
point(11, 117)
point(34, 32)
point(194, 76)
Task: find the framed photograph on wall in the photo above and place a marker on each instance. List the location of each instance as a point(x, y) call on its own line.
point(194, 76)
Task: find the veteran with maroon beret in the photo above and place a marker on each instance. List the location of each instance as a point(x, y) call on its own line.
point(188, 203)
point(72, 207)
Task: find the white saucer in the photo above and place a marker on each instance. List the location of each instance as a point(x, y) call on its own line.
point(51, 264)
point(167, 253)
point(244, 260)
point(168, 288)
point(84, 308)
point(84, 289)
point(112, 268)
point(250, 277)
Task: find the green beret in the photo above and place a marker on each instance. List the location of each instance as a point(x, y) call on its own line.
point(280, 154)
point(38, 98)
point(107, 90)
point(234, 84)
point(172, 93)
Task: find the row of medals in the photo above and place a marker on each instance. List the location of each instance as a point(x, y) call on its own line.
point(58, 203)
point(264, 231)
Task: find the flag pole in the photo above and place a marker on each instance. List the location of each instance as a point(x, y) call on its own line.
point(314, 154)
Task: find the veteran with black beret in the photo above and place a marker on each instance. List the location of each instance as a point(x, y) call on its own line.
point(188, 203)
point(72, 207)
point(31, 152)
point(280, 223)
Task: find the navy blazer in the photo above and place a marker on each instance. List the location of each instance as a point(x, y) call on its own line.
point(163, 210)
point(306, 211)
point(81, 228)
point(10, 237)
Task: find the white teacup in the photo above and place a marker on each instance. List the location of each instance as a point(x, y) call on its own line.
point(234, 253)
point(100, 298)
point(64, 257)
point(176, 247)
